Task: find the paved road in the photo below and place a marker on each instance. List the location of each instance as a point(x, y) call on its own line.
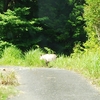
point(53, 84)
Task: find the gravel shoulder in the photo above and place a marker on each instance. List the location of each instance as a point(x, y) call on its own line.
point(52, 84)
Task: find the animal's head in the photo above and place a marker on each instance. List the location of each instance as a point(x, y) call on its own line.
point(41, 57)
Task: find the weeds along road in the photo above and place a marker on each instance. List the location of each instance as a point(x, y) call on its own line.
point(53, 84)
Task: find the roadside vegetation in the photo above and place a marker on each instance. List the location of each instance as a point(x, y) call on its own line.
point(82, 60)
point(8, 81)
point(85, 61)
point(71, 28)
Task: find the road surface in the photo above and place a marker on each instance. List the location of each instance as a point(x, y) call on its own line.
point(53, 84)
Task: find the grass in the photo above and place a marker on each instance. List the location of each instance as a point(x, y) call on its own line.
point(32, 58)
point(86, 63)
point(8, 81)
point(11, 56)
point(8, 77)
point(7, 91)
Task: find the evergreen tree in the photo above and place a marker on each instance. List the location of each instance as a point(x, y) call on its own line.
point(57, 24)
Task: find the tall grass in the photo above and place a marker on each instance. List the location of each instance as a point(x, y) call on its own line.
point(32, 58)
point(60, 62)
point(11, 56)
point(86, 63)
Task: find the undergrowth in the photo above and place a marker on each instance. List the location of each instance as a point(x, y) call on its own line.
point(32, 58)
point(11, 56)
point(86, 62)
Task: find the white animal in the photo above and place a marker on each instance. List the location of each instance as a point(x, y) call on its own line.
point(48, 58)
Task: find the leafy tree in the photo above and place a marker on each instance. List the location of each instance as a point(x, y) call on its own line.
point(92, 17)
point(55, 24)
point(1, 6)
point(64, 26)
point(15, 29)
point(32, 4)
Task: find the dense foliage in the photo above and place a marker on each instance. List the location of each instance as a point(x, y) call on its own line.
point(17, 30)
point(57, 25)
point(92, 18)
point(54, 24)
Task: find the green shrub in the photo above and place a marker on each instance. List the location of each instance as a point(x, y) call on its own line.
point(3, 45)
point(11, 56)
point(92, 18)
point(32, 58)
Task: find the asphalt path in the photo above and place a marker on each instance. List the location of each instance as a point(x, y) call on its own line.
point(53, 84)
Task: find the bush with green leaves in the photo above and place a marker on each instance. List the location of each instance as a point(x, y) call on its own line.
point(65, 24)
point(92, 18)
point(57, 24)
point(16, 29)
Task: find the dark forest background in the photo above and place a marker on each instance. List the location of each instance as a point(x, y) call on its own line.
point(56, 24)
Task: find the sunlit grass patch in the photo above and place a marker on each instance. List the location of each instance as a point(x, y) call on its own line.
point(7, 91)
point(11, 56)
point(32, 58)
point(60, 62)
point(87, 63)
